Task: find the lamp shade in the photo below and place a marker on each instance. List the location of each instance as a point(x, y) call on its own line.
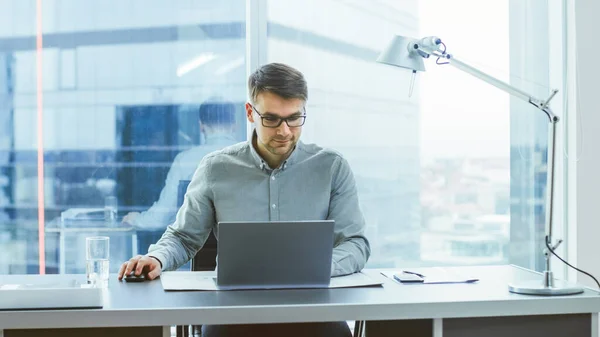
point(397, 53)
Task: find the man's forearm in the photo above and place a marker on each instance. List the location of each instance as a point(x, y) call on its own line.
point(193, 223)
point(171, 251)
point(350, 256)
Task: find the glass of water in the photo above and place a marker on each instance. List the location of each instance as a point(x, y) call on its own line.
point(96, 259)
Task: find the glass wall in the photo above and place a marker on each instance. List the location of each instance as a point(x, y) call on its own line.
point(125, 85)
point(128, 95)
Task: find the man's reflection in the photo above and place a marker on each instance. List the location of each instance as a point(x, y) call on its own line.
point(218, 126)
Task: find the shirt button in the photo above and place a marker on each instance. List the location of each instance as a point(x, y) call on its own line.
point(273, 178)
point(274, 206)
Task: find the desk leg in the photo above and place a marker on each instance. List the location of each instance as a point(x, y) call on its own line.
point(438, 327)
point(359, 329)
point(595, 328)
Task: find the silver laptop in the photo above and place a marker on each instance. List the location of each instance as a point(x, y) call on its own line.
point(271, 255)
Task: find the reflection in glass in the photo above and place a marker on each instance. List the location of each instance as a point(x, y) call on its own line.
point(123, 87)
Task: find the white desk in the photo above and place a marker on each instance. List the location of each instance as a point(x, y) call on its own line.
point(433, 310)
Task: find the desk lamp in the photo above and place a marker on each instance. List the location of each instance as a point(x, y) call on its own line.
point(409, 53)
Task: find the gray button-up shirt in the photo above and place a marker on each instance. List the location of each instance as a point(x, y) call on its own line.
point(236, 184)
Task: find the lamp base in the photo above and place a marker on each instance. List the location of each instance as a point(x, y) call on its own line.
point(559, 288)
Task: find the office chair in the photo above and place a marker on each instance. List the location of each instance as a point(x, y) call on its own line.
point(205, 260)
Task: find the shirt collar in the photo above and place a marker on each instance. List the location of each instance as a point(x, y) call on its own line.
point(258, 161)
point(262, 164)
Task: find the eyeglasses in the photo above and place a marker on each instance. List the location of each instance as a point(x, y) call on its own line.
point(275, 122)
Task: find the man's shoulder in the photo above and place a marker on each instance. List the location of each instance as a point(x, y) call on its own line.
point(314, 150)
point(229, 151)
point(196, 153)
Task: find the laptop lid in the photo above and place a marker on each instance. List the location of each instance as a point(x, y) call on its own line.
point(277, 254)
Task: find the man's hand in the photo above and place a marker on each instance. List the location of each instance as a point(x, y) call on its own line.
point(141, 264)
point(130, 217)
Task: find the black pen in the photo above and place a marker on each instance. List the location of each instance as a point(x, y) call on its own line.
point(413, 273)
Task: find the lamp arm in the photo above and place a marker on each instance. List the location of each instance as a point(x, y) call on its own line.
point(551, 150)
point(551, 163)
point(430, 47)
point(542, 105)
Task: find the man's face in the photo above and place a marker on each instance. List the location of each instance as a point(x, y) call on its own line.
point(281, 140)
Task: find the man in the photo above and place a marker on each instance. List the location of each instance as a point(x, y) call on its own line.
point(217, 124)
point(272, 177)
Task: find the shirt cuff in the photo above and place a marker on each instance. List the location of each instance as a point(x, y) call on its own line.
point(157, 258)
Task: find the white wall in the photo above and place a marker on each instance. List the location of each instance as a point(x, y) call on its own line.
point(588, 166)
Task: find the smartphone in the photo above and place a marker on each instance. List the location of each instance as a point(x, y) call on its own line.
point(408, 278)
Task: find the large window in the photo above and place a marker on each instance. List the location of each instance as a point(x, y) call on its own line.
point(122, 83)
point(453, 174)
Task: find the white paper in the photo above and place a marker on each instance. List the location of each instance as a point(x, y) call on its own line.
point(353, 280)
point(189, 280)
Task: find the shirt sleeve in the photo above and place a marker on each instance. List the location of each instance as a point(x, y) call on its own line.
point(195, 219)
point(351, 248)
point(164, 210)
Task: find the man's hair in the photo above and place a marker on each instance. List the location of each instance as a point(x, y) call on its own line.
point(214, 113)
point(279, 79)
